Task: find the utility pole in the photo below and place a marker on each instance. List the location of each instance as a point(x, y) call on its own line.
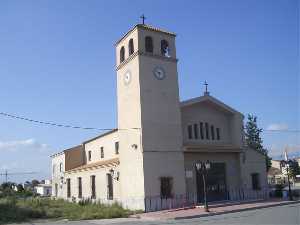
point(6, 174)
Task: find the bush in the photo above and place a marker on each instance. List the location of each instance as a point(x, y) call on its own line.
point(14, 209)
point(278, 190)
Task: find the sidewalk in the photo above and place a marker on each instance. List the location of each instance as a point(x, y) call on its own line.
point(214, 209)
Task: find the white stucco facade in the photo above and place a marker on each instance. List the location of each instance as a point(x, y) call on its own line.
point(152, 153)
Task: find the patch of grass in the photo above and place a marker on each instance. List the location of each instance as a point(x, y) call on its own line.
point(19, 210)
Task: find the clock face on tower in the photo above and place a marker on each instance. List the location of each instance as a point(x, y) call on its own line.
point(127, 77)
point(159, 73)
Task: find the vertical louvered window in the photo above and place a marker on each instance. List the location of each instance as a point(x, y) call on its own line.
point(207, 131)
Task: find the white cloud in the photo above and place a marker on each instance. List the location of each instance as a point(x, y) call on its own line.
point(21, 145)
point(277, 126)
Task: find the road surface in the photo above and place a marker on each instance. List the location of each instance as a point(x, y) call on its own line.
point(283, 215)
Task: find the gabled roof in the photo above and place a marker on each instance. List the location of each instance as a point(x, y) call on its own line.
point(81, 146)
point(101, 135)
point(209, 98)
point(67, 150)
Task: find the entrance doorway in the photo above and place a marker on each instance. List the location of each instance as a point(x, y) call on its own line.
point(215, 183)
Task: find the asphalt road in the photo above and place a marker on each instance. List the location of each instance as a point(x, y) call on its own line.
point(283, 215)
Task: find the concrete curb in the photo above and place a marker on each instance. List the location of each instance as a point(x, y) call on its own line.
point(236, 210)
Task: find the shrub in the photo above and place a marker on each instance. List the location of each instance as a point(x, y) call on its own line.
point(278, 190)
point(14, 209)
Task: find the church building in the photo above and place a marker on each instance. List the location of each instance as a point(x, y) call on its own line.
point(149, 161)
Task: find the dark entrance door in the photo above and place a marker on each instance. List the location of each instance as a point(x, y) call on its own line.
point(215, 183)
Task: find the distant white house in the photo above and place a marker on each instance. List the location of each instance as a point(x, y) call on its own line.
point(44, 189)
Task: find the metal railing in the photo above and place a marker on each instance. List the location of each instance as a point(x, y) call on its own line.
point(155, 203)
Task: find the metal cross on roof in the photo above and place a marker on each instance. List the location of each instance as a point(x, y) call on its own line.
point(206, 84)
point(143, 18)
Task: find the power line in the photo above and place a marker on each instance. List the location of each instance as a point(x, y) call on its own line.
point(100, 129)
point(291, 131)
point(52, 123)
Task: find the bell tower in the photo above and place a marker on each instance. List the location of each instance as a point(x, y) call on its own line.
point(148, 106)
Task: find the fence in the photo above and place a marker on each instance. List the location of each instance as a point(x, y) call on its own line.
point(155, 203)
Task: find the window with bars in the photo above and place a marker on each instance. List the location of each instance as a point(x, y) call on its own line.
point(79, 187)
point(90, 155)
point(61, 167)
point(102, 152)
point(93, 186)
point(117, 148)
point(110, 191)
point(69, 188)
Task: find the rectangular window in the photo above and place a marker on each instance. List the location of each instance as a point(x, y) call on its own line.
point(102, 152)
point(93, 186)
point(60, 167)
point(166, 184)
point(110, 191)
point(117, 148)
point(79, 187)
point(90, 155)
point(201, 131)
point(207, 131)
point(69, 188)
point(190, 131)
point(255, 181)
point(218, 134)
point(212, 129)
point(196, 131)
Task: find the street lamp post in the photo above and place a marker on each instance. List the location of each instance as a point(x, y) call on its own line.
point(203, 167)
point(285, 163)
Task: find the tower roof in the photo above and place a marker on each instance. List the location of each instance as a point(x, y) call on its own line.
point(147, 27)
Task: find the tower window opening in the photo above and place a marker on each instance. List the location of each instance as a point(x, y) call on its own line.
point(131, 47)
point(149, 44)
point(165, 50)
point(122, 54)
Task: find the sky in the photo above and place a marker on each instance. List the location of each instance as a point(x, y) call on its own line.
point(57, 63)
